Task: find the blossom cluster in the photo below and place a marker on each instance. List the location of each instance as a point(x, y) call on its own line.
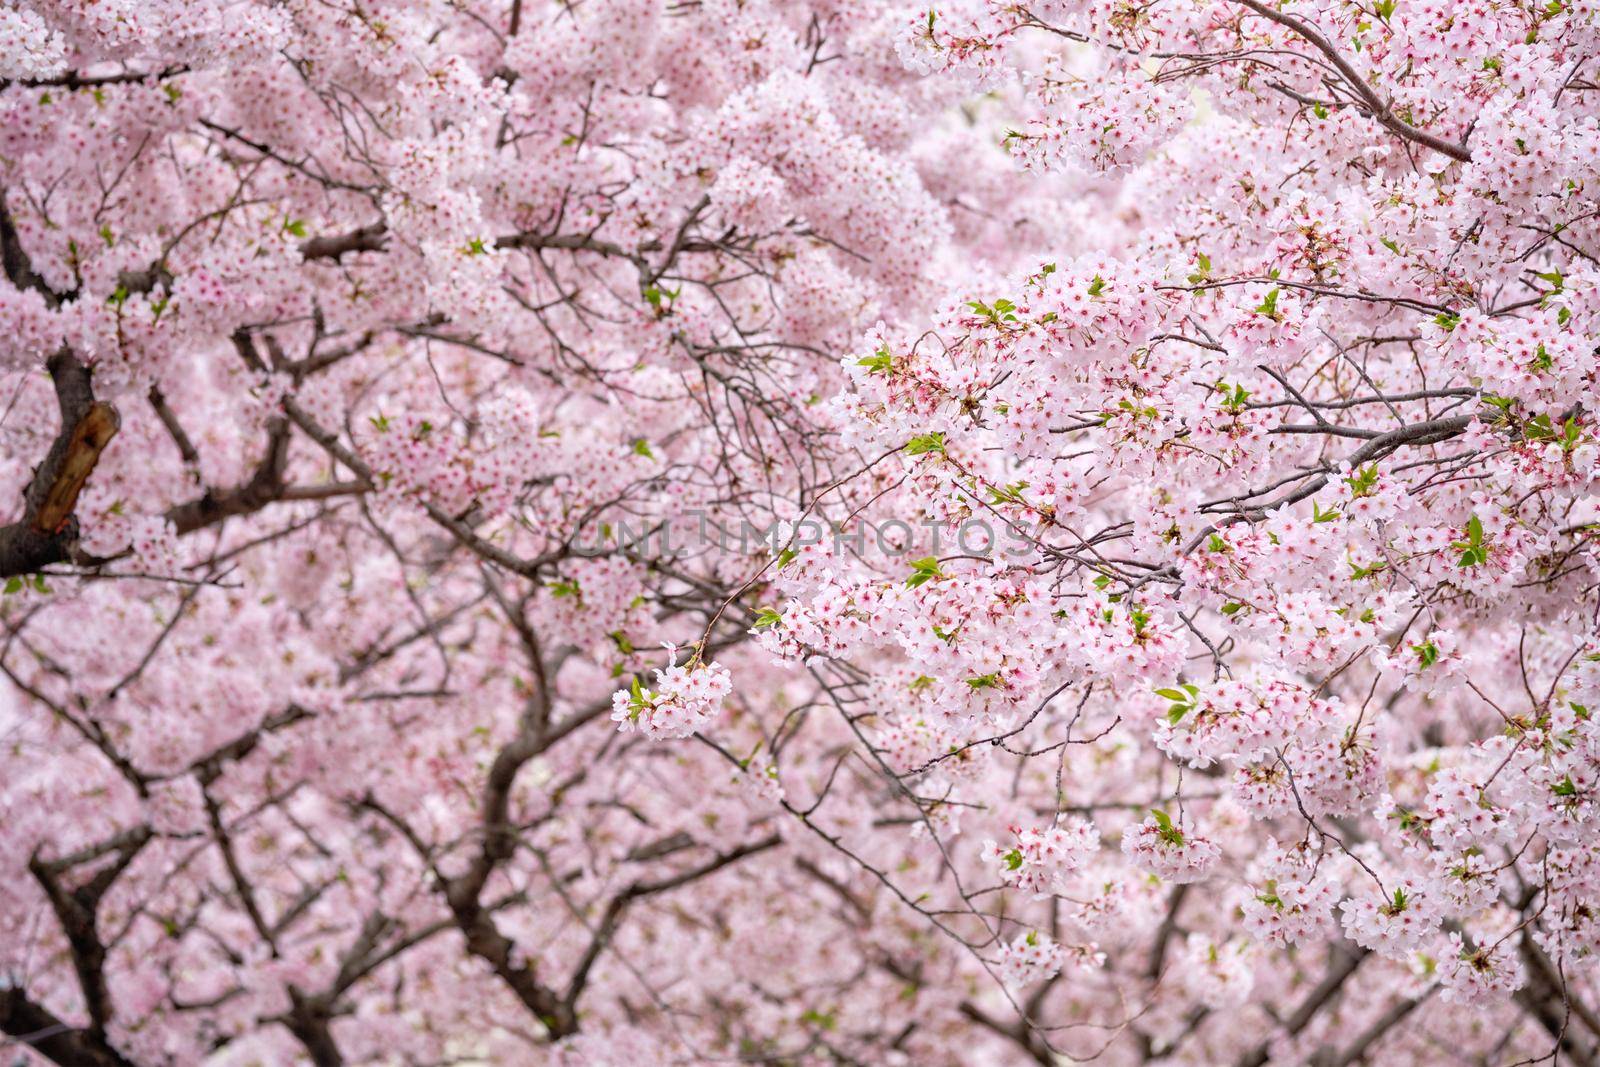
point(685, 700)
point(366, 364)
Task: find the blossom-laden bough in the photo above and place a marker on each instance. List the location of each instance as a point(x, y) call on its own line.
point(629, 531)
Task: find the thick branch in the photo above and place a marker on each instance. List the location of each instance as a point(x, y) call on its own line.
point(638, 891)
point(48, 530)
point(1340, 968)
point(1546, 998)
point(265, 486)
point(1377, 107)
point(1019, 1032)
point(37, 1027)
point(77, 910)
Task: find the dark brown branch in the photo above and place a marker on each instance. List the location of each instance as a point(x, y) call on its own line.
point(1357, 1052)
point(73, 79)
point(18, 268)
point(77, 910)
point(309, 1020)
point(265, 486)
point(638, 891)
point(1020, 1033)
point(1547, 999)
point(48, 530)
point(1374, 105)
point(1340, 968)
point(1169, 926)
point(366, 239)
point(38, 1028)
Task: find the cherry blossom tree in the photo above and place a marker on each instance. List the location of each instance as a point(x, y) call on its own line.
point(683, 531)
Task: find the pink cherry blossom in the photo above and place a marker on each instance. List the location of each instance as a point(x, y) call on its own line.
point(643, 531)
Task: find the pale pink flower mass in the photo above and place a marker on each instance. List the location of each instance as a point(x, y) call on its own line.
point(799, 531)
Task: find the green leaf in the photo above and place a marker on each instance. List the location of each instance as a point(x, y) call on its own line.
point(13, 585)
point(1555, 278)
point(1139, 617)
point(880, 362)
point(924, 571)
point(1164, 827)
point(1269, 304)
point(821, 1020)
point(1472, 549)
point(1183, 701)
point(1002, 311)
point(1011, 494)
point(926, 443)
point(1097, 286)
point(641, 447)
point(768, 616)
point(1013, 859)
point(655, 295)
point(1364, 481)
